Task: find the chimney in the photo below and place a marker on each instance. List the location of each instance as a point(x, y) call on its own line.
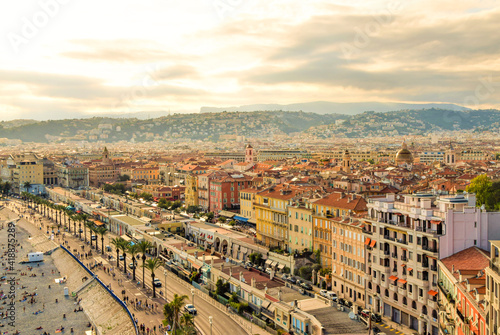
point(453, 269)
point(241, 276)
point(253, 282)
point(230, 271)
point(212, 261)
point(203, 258)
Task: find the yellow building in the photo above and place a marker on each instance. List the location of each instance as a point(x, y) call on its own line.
point(24, 168)
point(300, 227)
point(247, 199)
point(191, 192)
point(271, 215)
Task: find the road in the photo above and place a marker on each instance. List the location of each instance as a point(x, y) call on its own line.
point(222, 323)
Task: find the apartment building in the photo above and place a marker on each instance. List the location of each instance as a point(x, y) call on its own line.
point(402, 255)
point(462, 289)
point(191, 194)
point(73, 176)
point(493, 289)
point(247, 198)
point(21, 168)
point(348, 261)
point(224, 191)
point(300, 227)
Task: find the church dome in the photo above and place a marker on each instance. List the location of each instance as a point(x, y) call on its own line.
point(404, 155)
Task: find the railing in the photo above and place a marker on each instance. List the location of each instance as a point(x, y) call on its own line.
point(404, 258)
point(434, 267)
point(105, 287)
point(390, 238)
point(429, 248)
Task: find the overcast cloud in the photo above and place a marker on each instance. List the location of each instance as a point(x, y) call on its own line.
point(68, 58)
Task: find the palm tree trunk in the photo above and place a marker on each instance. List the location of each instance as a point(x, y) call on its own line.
point(143, 261)
point(153, 284)
point(124, 263)
point(102, 244)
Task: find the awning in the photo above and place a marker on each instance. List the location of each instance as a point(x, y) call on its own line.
point(126, 238)
point(433, 293)
point(281, 267)
point(402, 281)
point(268, 262)
point(403, 265)
point(372, 244)
point(227, 214)
point(393, 278)
point(240, 218)
point(410, 269)
point(98, 223)
point(435, 222)
point(367, 241)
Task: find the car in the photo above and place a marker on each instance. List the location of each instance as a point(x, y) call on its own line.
point(364, 313)
point(376, 317)
point(323, 293)
point(260, 268)
point(292, 279)
point(285, 276)
point(94, 237)
point(332, 296)
point(157, 282)
point(249, 264)
point(268, 271)
point(121, 257)
point(298, 282)
point(131, 266)
point(306, 286)
point(345, 303)
point(376, 330)
point(190, 309)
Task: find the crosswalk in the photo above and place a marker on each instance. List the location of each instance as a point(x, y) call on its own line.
point(394, 331)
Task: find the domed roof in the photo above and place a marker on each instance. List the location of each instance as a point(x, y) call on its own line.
point(404, 155)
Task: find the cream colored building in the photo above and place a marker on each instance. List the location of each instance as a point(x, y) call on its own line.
point(493, 289)
point(300, 227)
point(22, 168)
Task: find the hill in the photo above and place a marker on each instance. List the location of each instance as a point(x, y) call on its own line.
point(263, 124)
point(325, 107)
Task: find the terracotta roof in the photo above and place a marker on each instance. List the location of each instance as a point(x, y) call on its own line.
point(472, 259)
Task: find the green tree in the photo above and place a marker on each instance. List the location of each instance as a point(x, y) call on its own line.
point(210, 216)
point(144, 246)
point(124, 177)
point(152, 265)
point(101, 231)
point(186, 322)
point(175, 307)
point(480, 186)
point(493, 198)
point(193, 209)
point(124, 248)
point(116, 242)
point(27, 186)
point(221, 287)
point(133, 249)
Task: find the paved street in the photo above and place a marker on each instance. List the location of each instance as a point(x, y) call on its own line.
point(222, 323)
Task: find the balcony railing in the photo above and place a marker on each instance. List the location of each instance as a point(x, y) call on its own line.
point(404, 258)
point(429, 248)
point(434, 267)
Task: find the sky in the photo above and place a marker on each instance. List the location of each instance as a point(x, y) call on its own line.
point(68, 58)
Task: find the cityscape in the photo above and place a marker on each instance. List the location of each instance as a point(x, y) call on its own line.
point(250, 167)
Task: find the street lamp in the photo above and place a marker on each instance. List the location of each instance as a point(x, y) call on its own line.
point(192, 295)
point(210, 320)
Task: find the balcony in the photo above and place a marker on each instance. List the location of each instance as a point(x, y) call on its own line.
point(434, 268)
point(404, 258)
point(366, 231)
point(402, 290)
point(402, 241)
point(387, 237)
point(429, 248)
point(393, 287)
point(432, 304)
point(495, 265)
point(412, 295)
point(422, 300)
point(394, 255)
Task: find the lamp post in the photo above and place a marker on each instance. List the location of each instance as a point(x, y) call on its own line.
point(192, 296)
point(210, 320)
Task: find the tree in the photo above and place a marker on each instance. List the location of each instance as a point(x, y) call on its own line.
point(164, 203)
point(146, 196)
point(144, 246)
point(187, 323)
point(193, 209)
point(83, 218)
point(102, 231)
point(152, 265)
point(493, 199)
point(124, 248)
point(90, 226)
point(176, 305)
point(221, 287)
point(255, 258)
point(133, 250)
point(210, 216)
point(124, 177)
point(27, 186)
point(480, 186)
point(117, 242)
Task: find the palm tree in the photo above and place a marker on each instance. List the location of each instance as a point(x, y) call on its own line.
point(168, 313)
point(27, 186)
point(152, 265)
point(69, 215)
point(124, 248)
point(144, 246)
point(133, 250)
point(84, 218)
point(176, 305)
point(187, 323)
point(102, 231)
point(117, 242)
point(89, 225)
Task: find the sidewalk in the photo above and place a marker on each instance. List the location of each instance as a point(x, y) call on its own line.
point(146, 311)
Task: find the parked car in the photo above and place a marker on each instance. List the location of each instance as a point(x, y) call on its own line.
point(157, 282)
point(94, 237)
point(268, 271)
point(306, 286)
point(364, 313)
point(332, 296)
point(190, 309)
point(345, 303)
point(249, 264)
point(131, 265)
point(298, 282)
point(323, 293)
point(260, 268)
point(376, 330)
point(292, 280)
point(376, 317)
point(285, 276)
point(121, 257)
